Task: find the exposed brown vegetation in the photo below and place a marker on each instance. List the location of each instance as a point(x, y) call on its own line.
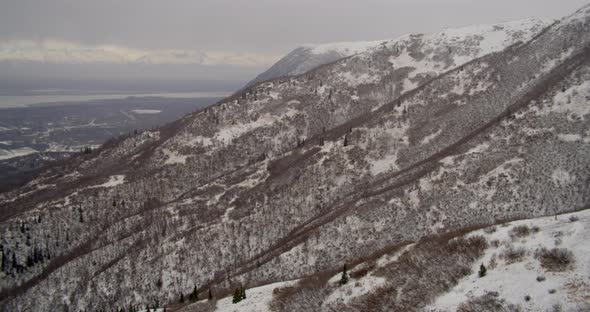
point(520, 231)
point(555, 259)
point(490, 302)
point(512, 254)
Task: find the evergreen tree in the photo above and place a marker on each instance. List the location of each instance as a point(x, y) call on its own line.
point(346, 140)
point(236, 298)
point(4, 264)
point(243, 293)
point(344, 278)
point(194, 295)
point(482, 270)
point(210, 294)
point(181, 298)
point(14, 261)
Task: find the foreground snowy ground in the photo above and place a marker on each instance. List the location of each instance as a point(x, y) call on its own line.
point(517, 276)
point(257, 299)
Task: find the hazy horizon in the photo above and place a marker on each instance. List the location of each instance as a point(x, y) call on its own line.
point(213, 43)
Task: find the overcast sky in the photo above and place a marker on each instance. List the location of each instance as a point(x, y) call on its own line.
point(265, 27)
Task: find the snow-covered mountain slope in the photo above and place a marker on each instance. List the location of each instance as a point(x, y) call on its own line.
point(301, 174)
point(536, 264)
point(522, 274)
point(471, 42)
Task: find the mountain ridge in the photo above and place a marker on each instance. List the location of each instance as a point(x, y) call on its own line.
point(309, 56)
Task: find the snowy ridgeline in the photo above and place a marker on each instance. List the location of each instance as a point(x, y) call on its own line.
point(485, 39)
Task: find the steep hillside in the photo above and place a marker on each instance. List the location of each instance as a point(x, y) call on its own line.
point(521, 274)
point(413, 138)
point(481, 39)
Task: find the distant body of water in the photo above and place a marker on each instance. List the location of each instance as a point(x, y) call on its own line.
point(12, 101)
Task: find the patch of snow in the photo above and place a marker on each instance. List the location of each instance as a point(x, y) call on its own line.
point(388, 163)
point(354, 80)
point(174, 158)
point(354, 288)
point(427, 139)
point(561, 177)
point(573, 100)
point(146, 111)
point(227, 134)
point(569, 137)
point(199, 140)
point(114, 180)
point(385, 260)
point(257, 299)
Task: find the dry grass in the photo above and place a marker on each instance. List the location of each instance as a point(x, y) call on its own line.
point(520, 231)
point(490, 301)
point(512, 254)
point(555, 259)
point(495, 243)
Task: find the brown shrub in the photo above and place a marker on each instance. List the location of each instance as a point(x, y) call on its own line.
point(490, 230)
point(493, 262)
point(555, 259)
point(460, 244)
point(490, 301)
point(512, 255)
point(520, 231)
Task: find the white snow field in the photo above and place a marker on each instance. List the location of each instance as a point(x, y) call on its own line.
point(515, 280)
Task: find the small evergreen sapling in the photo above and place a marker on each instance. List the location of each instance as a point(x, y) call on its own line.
point(194, 296)
point(344, 278)
point(237, 296)
point(482, 270)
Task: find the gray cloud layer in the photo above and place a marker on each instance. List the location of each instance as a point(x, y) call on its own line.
point(254, 26)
